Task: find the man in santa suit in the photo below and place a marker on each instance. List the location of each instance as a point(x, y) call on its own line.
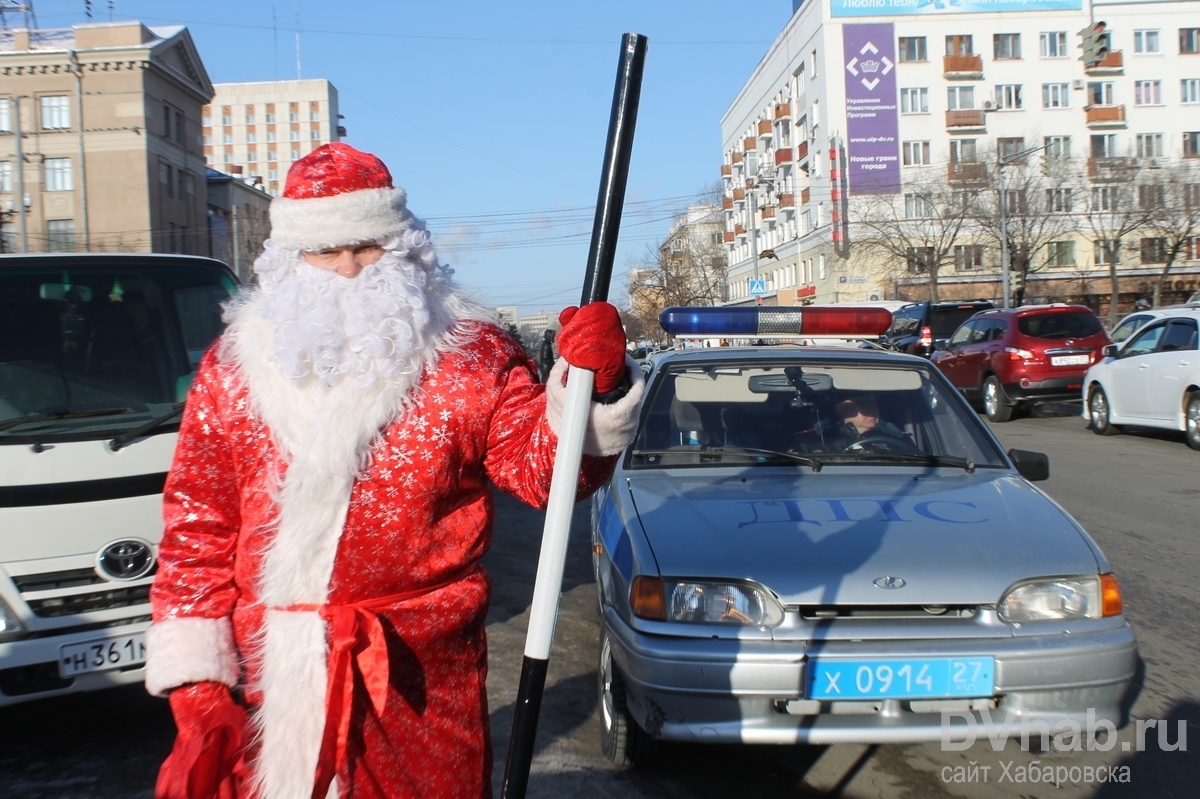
point(318, 614)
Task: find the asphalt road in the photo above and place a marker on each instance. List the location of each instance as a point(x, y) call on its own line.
point(1138, 495)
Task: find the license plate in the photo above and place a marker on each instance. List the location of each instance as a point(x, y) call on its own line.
point(1069, 360)
point(103, 654)
point(907, 678)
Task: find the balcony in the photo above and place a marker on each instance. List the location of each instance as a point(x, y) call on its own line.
point(783, 155)
point(1112, 62)
point(726, 171)
point(735, 158)
point(966, 172)
point(727, 203)
point(802, 151)
point(963, 67)
point(765, 129)
point(739, 231)
point(783, 111)
point(739, 195)
point(804, 196)
point(1105, 116)
point(749, 143)
point(729, 237)
point(768, 212)
point(787, 201)
point(966, 119)
point(1110, 169)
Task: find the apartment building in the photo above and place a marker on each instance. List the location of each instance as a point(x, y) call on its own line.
point(100, 139)
point(958, 99)
point(258, 130)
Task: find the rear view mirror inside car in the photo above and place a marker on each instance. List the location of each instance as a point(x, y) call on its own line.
point(65, 291)
point(1033, 466)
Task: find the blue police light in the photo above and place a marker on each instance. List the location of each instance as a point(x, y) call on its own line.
point(809, 320)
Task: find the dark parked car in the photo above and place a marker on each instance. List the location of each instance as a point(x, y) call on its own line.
point(1010, 357)
point(917, 327)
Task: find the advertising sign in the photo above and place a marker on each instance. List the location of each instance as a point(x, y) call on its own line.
point(890, 8)
point(872, 119)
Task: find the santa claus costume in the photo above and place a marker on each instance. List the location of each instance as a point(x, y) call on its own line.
point(329, 505)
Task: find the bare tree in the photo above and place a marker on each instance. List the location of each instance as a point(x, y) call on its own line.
point(916, 231)
point(1112, 213)
point(1171, 200)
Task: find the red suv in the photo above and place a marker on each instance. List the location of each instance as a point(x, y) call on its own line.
point(1015, 356)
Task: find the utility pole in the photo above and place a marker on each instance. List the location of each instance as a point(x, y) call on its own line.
point(20, 198)
point(1005, 255)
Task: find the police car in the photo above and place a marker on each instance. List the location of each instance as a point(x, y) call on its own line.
point(826, 545)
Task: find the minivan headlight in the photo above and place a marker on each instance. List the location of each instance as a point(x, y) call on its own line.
point(1043, 600)
point(9, 624)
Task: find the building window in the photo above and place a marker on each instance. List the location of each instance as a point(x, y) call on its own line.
point(1058, 201)
point(1008, 97)
point(61, 233)
point(1147, 92)
point(1007, 149)
point(179, 126)
point(1151, 196)
point(1189, 90)
point(226, 115)
point(1146, 42)
point(914, 101)
point(968, 256)
point(1191, 144)
point(189, 182)
point(208, 140)
point(272, 174)
point(962, 151)
point(916, 152)
point(960, 97)
point(166, 176)
point(1053, 44)
point(251, 157)
point(8, 237)
point(1006, 45)
point(269, 118)
point(166, 120)
point(314, 116)
point(5, 115)
point(295, 155)
point(1104, 145)
point(295, 135)
point(1153, 250)
point(249, 115)
point(1060, 253)
point(58, 174)
point(1191, 195)
point(917, 206)
point(226, 138)
point(315, 135)
point(6, 177)
point(1189, 40)
point(1058, 148)
point(1149, 145)
point(228, 158)
point(920, 259)
point(1100, 93)
point(56, 113)
point(961, 44)
point(172, 243)
point(1105, 198)
point(1056, 95)
point(1016, 202)
point(912, 48)
point(1108, 251)
point(271, 155)
point(251, 138)
point(270, 136)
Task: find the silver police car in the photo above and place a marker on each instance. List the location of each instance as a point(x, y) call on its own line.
point(808, 545)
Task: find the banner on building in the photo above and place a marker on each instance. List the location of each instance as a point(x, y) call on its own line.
point(891, 8)
point(872, 118)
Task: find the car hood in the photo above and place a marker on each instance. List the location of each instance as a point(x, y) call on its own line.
point(952, 537)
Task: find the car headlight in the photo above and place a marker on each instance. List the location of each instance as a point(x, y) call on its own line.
point(704, 602)
point(1065, 598)
point(9, 624)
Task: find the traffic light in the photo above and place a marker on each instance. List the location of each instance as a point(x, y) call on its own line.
point(1094, 43)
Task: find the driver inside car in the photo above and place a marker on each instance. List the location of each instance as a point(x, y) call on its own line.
point(857, 419)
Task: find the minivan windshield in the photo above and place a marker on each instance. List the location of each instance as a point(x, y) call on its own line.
point(810, 412)
point(93, 344)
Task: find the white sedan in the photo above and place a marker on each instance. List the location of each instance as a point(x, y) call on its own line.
point(1150, 380)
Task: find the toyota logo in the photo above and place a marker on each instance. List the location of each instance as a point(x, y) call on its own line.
point(125, 560)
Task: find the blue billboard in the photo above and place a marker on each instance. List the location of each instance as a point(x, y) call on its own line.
point(901, 8)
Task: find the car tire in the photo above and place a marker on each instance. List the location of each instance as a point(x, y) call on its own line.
point(1100, 413)
point(995, 405)
point(623, 742)
point(1191, 420)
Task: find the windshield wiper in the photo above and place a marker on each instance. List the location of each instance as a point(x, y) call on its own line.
point(141, 430)
point(966, 464)
point(796, 457)
point(53, 416)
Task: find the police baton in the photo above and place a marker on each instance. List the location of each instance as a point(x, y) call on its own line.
point(561, 502)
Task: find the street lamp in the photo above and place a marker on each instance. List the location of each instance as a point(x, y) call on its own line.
point(1005, 256)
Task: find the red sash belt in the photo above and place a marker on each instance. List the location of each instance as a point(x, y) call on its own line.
point(357, 646)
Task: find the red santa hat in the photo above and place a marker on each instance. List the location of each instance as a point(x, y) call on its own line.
point(335, 196)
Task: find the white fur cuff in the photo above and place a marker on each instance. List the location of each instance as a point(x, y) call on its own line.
point(610, 427)
point(187, 650)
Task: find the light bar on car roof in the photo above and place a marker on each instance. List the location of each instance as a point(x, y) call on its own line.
point(809, 320)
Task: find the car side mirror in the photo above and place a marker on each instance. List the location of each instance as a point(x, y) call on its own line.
point(941, 346)
point(1109, 351)
point(1033, 466)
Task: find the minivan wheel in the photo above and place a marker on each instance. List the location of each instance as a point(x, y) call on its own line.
point(1191, 418)
point(1099, 412)
point(623, 742)
point(993, 401)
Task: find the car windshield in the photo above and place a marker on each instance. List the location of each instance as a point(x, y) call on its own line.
point(806, 411)
point(944, 321)
point(91, 345)
point(1059, 324)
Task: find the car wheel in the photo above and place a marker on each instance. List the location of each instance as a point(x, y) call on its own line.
point(1099, 412)
point(994, 401)
point(623, 742)
point(1191, 419)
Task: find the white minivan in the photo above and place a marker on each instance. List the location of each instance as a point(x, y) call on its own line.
point(96, 355)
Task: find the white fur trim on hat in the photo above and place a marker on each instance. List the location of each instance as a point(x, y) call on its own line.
point(186, 650)
point(339, 220)
point(610, 427)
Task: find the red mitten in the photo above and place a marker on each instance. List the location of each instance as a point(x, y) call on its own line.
point(206, 762)
point(592, 338)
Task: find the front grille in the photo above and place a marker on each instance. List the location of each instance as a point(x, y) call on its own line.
point(85, 603)
point(32, 679)
point(887, 612)
point(52, 581)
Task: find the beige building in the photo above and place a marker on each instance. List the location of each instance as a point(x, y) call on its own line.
point(100, 139)
point(258, 130)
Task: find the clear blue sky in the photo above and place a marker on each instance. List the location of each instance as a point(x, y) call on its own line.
point(493, 116)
